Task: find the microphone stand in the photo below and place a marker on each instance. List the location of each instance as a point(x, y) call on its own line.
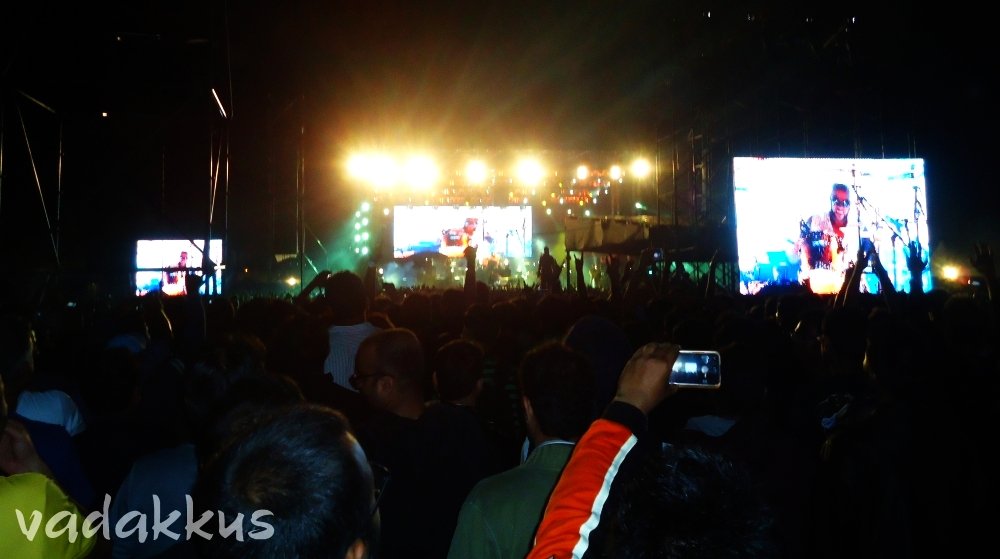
point(918, 210)
point(857, 212)
point(895, 264)
point(863, 203)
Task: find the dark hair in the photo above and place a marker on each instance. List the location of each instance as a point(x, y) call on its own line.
point(239, 406)
point(15, 342)
point(690, 503)
point(298, 348)
point(479, 324)
point(345, 294)
point(608, 348)
point(559, 383)
point(458, 366)
point(400, 354)
point(305, 467)
point(839, 187)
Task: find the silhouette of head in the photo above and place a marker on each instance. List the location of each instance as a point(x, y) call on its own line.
point(458, 368)
point(345, 294)
point(304, 467)
point(389, 368)
point(560, 386)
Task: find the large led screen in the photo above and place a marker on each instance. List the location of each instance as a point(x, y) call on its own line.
point(162, 264)
point(802, 220)
point(503, 231)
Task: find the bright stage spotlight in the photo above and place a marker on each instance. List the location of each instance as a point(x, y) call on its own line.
point(357, 166)
point(616, 172)
point(641, 168)
point(378, 170)
point(950, 273)
point(476, 172)
point(382, 171)
point(420, 172)
point(530, 172)
point(582, 172)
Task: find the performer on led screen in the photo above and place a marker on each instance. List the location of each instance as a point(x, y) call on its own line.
point(827, 243)
point(454, 241)
point(174, 284)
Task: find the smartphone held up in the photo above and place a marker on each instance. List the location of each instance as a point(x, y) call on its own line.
point(697, 369)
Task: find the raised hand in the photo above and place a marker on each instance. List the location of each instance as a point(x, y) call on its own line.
point(578, 264)
point(612, 264)
point(983, 261)
point(643, 382)
point(881, 272)
point(321, 278)
point(876, 262)
point(914, 259)
point(848, 274)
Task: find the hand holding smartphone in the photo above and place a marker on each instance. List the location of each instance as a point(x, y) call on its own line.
point(643, 382)
point(697, 369)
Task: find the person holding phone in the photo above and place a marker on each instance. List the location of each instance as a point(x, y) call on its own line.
point(618, 475)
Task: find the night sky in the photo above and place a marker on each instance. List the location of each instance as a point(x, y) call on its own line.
point(320, 78)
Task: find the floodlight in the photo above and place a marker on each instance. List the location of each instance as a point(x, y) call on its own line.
point(378, 170)
point(530, 172)
point(476, 172)
point(641, 168)
point(420, 172)
point(382, 171)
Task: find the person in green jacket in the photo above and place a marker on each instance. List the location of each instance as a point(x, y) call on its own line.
point(500, 514)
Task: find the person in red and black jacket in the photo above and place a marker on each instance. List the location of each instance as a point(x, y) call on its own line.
point(624, 494)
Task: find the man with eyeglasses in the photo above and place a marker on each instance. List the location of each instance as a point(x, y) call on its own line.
point(389, 371)
point(827, 244)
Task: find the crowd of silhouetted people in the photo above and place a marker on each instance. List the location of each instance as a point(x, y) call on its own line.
point(355, 420)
